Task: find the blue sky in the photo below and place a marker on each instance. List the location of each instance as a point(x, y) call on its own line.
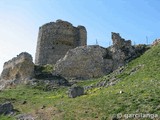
point(21, 19)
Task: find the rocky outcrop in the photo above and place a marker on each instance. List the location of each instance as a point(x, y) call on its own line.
point(6, 108)
point(75, 91)
point(18, 70)
point(82, 63)
point(55, 39)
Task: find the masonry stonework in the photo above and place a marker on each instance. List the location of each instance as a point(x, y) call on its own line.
point(56, 38)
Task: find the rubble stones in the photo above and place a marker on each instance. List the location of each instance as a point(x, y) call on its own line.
point(6, 108)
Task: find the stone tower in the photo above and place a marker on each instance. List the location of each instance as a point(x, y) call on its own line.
point(56, 38)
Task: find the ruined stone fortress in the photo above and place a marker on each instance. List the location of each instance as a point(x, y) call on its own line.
point(63, 46)
point(56, 38)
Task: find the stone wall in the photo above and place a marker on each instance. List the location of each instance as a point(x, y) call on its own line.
point(121, 50)
point(55, 39)
point(119, 42)
point(94, 61)
point(19, 68)
point(81, 63)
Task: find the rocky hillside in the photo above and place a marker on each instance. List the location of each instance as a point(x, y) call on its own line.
point(132, 89)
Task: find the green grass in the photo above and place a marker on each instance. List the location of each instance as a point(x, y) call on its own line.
point(45, 68)
point(87, 82)
point(141, 94)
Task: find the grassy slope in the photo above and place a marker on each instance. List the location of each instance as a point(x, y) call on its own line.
point(141, 94)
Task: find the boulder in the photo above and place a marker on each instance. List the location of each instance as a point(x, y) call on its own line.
point(75, 91)
point(18, 70)
point(25, 117)
point(82, 63)
point(6, 108)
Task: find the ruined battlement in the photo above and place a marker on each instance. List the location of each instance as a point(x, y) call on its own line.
point(19, 68)
point(24, 56)
point(119, 42)
point(56, 38)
